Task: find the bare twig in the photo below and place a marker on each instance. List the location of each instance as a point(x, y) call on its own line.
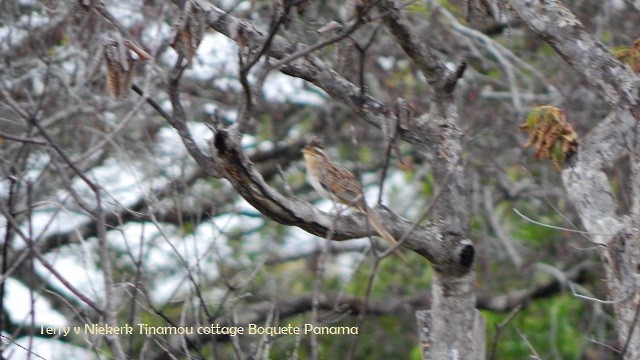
point(361, 315)
point(506, 241)
point(526, 341)
point(552, 226)
point(500, 328)
point(426, 212)
point(33, 141)
point(48, 265)
point(391, 135)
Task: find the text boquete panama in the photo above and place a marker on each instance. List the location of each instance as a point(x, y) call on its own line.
point(212, 329)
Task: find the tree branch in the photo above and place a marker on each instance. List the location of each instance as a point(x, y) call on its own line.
point(614, 81)
point(312, 69)
point(291, 211)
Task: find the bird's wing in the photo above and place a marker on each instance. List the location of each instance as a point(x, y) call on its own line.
point(343, 185)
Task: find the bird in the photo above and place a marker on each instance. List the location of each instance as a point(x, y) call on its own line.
point(338, 184)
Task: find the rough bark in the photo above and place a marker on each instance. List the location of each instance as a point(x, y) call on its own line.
point(616, 234)
point(614, 139)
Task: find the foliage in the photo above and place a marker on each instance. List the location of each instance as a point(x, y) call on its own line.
point(553, 327)
point(553, 137)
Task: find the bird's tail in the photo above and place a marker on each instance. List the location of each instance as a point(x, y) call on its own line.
point(373, 219)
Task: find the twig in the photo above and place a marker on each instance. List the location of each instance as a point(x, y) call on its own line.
point(22, 347)
point(319, 45)
point(48, 265)
point(427, 211)
point(391, 137)
point(526, 341)
point(246, 107)
point(500, 328)
point(151, 102)
point(552, 226)
point(6, 136)
point(363, 311)
point(498, 229)
point(315, 300)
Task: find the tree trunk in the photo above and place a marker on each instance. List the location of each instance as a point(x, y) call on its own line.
point(453, 328)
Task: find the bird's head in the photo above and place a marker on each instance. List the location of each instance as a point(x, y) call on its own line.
point(314, 148)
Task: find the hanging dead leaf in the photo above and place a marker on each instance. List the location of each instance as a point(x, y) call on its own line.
point(550, 133)
point(120, 66)
point(188, 32)
point(120, 59)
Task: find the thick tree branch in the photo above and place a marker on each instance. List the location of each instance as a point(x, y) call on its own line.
point(554, 23)
point(589, 189)
point(426, 241)
point(586, 181)
point(427, 60)
point(179, 122)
